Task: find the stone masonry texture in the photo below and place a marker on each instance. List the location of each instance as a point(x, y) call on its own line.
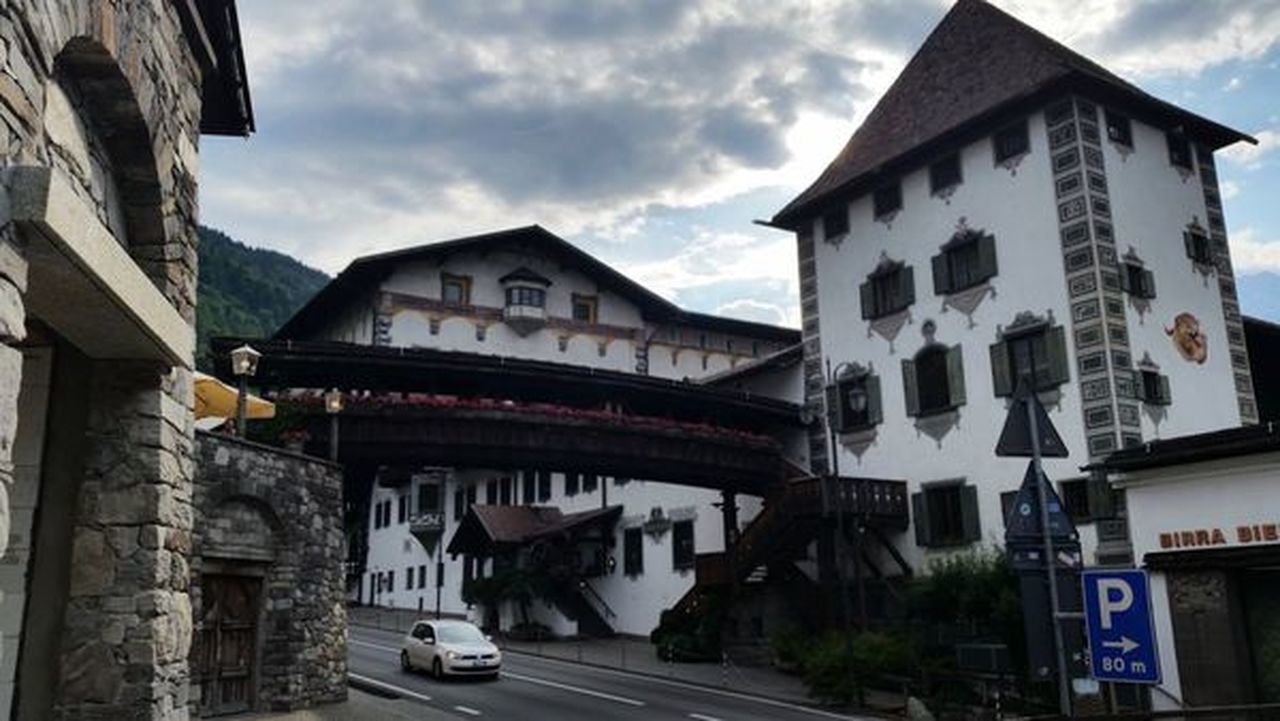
point(262, 510)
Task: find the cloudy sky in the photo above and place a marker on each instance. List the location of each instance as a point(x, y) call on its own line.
point(652, 132)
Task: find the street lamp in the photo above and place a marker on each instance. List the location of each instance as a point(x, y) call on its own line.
point(244, 363)
point(858, 401)
point(333, 406)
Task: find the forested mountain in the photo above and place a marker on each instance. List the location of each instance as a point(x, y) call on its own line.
point(246, 291)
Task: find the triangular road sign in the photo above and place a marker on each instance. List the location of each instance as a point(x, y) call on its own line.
point(1023, 523)
point(1015, 439)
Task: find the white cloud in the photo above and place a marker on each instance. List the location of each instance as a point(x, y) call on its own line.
point(1249, 254)
point(1250, 156)
point(1229, 189)
point(755, 310)
point(1233, 84)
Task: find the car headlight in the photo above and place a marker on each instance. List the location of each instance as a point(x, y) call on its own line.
point(450, 655)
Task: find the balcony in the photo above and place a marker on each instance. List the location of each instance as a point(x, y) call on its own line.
point(524, 319)
point(427, 528)
point(882, 502)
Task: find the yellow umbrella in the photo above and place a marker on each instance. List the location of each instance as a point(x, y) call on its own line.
point(215, 399)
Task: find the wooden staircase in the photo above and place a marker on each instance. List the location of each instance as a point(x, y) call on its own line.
point(790, 519)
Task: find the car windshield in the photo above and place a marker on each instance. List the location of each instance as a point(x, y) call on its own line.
point(459, 634)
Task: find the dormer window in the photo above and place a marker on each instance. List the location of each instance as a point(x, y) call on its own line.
point(586, 308)
point(887, 200)
point(526, 295)
point(1119, 129)
point(455, 289)
point(945, 174)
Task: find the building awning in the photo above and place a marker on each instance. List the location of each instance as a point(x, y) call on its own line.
point(215, 399)
point(488, 529)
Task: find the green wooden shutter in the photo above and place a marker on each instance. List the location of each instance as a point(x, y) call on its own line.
point(1190, 244)
point(1055, 347)
point(1126, 283)
point(910, 387)
point(868, 300)
point(941, 278)
point(969, 513)
point(908, 286)
point(920, 519)
point(1148, 284)
point(987, 267)
point(1165, 397)
point(1140, 386)
point(1101, 499)
point(875, 410)
point(1001, 377)
point(955, 375)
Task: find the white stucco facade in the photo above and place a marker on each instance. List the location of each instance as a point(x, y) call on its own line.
point(1151, 204)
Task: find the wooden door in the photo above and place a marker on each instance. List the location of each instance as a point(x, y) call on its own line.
point(228, 641)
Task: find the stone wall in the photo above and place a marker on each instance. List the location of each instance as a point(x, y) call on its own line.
point(106, 94)
point(276, 515)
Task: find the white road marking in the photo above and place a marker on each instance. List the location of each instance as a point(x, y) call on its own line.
point(389, 687)
point(573, 689)
point(656, 680)
point(701, 717)
point(466, 710)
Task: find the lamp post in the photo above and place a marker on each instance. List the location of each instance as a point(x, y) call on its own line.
point(333, 406)
point(858, 403)
point(244, 363)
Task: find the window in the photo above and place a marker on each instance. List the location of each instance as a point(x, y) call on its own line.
point(1179, 150)
point(455, 289)
point(544, 485)
point(682, 550)
point(632, 552)
point(428, 498)
point(459, 505)
point(1136, 280)
point(530, 487)
point(887, 199)
point(506, 491)
point(391, 580)
point(571, 484)
point(527, 297)
point(946, 514)
point(491, 493)
point(1011, 142)
point(422, 576)
point(408, 578)
point(1075, 499)
point(933, 382)
point(1038, 353)
point(966, 260)
point(1154, 388)
point(402, 509)
point(889, 289)
point(945, 174)
point(1197, 244)
point(835, 223)
point(854, 402)
point(1119, 129)
point(585, 308)
point(589, 482)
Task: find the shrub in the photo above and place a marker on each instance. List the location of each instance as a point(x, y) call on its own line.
point(836, 672)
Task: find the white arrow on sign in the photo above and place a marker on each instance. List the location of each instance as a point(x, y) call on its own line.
point(1125, 644)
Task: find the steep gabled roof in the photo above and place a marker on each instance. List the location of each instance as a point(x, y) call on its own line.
point(365, 273)
point(978, 64)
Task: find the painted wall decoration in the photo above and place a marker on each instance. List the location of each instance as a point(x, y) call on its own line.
point(1188, 339)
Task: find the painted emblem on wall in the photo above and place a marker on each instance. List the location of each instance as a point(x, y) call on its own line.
point(1187, 338)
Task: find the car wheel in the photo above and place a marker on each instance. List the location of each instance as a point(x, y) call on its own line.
point(405, 664)
point(437, 669)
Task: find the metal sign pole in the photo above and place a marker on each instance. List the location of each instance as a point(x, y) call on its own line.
point(1051, 562)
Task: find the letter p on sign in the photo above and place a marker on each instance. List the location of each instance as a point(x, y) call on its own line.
point(1115, 595)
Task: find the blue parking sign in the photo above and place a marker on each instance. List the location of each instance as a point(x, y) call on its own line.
point(1117, 614)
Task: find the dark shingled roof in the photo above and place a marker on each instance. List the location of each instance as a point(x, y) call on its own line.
point(1197, 448)
point(486, 527)
point(977, 64)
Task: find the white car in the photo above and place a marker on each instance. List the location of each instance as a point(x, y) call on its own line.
point(448, 648)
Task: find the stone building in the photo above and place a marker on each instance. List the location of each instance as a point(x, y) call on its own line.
point(268, 590)
point(102, 105)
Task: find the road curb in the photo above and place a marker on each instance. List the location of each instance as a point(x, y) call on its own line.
point(372, 689)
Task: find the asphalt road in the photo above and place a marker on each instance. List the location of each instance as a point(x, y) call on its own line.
point(533, 688)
